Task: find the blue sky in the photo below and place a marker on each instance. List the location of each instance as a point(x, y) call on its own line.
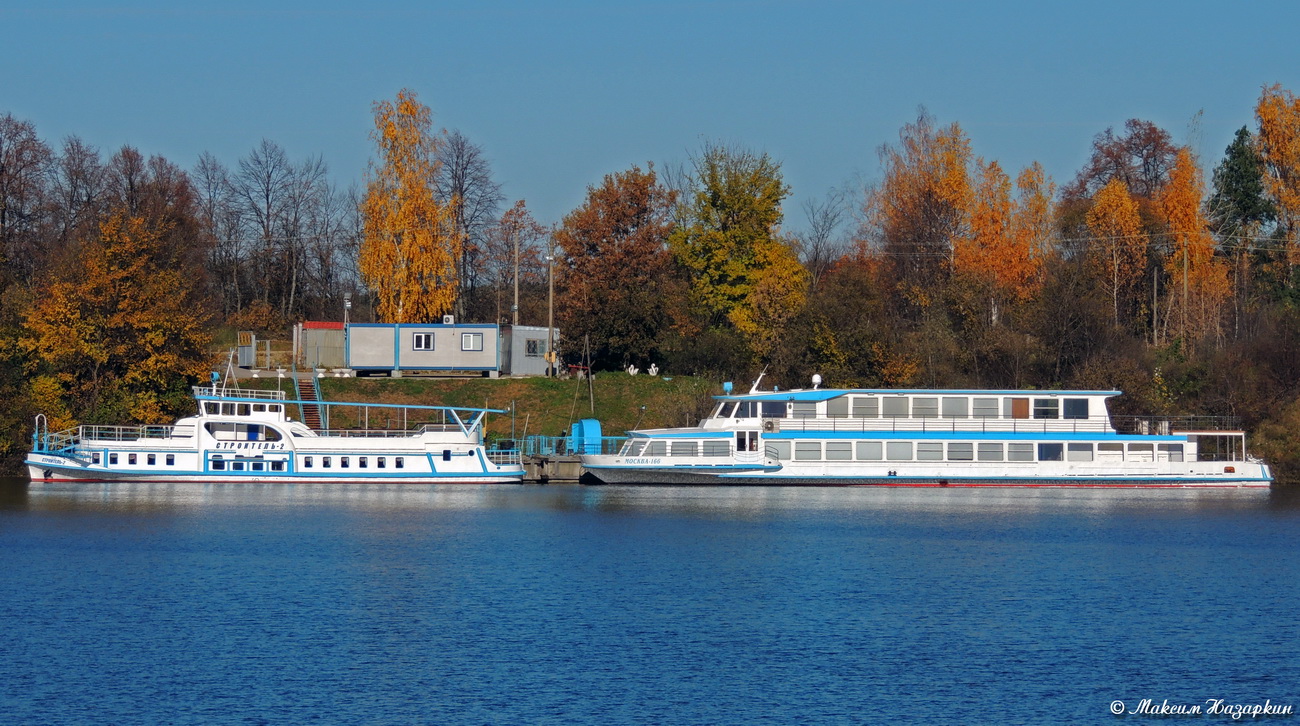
point(560, 94)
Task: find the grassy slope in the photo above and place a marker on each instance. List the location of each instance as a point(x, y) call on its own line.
point(547, 405)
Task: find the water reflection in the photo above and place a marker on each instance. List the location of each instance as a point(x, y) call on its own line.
point(721, 502)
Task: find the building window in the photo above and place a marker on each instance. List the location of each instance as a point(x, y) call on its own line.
point(534, 348)
point(422, 341)
point(471, 341)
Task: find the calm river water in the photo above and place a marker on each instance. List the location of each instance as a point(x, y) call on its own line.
point(620, 605)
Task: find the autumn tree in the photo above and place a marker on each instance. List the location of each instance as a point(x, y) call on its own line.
point(120, 328)
point(1278, 113)
point(513, 255)
point(1118, 248)
point(920, 208)
point(1238, 211)
point(410, 245)
point(616, 285)
point(742, 272)
point(24, 163)
point(1191, 262)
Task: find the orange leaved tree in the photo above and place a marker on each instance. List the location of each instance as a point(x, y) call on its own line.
point(1119, 245)
point(410, 245)
point(1200, 279)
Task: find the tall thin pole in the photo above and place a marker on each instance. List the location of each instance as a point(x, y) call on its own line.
point(514, 309)
point(550, 310)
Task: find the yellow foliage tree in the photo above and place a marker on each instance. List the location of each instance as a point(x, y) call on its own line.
point(1200, 279)
point(410, 245)
point(1114, 221)
point(1278, 143)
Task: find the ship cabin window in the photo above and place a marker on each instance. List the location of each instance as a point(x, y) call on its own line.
point(1020, 452)
point(1076, 408)
point(633, 447)
point(170, 460)
point(112, 459)
point(363, 462)
point(1141, 452)
point(718, 447)
point(211, 407)
point(807, 450)
point(984, 407)
point(780, 450)
point(1047, 408)
point(94, 458)
point(898, 450)
point(218, 464)
point(838, 407)
point(130, 459)
point(839, 450)
point(237, 466)
point(381, 462)
point(446, 454)
point(257, 466)
point(306, 462)
point(961, 451)
point(1051, 452)
point(325, 462)
point(866, 407)
point(277, 466)
point(746, 441)
point(228, 431)
point(685, 448)
point(726, 409)
point(242, 409)
point(955, 407)
point(929, 451)
point(656, 448)
point(1170, 452)
point(1110, 452)
point(925, 407)
point(774, 409)
point(747, 409)
point(398, 462)
point(273, 407)
point(989, 451)
point(151, 460)
point(870, 451)
point(1078, 452)
point(805, 409)
point(1015, 408)
point(344, 462)
point(894, 407)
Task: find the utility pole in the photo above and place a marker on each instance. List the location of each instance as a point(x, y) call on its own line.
point(550, 310)
point(514, 309)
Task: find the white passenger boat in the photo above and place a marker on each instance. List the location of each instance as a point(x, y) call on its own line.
point(925, 437)
point(246, 435)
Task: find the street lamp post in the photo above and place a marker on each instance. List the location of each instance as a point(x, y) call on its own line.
point(347, 309)
point(550, 311)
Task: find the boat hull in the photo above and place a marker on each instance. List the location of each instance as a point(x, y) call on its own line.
point(46, 472)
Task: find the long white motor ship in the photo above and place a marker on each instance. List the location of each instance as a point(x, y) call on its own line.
point(928, 437)
point(247, 435)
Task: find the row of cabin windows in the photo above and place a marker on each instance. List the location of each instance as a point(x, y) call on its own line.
point(662, 447)
point(970, 451)
point(133, 459)
point(915, 407)
point(213, 408)
point(230, 431)
point(468, 341)
point(241, 465)
point(345, 462)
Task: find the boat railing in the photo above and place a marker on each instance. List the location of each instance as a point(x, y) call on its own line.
point(1165, 425)
point(92, 432)
point(391, 433)
point(505, 457)
point(1029, 425)
point(230, 392)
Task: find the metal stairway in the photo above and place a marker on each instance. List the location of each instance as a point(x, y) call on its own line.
point(310, 412)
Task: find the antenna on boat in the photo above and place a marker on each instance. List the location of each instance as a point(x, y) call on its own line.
point(754, 388)
point(230, 372)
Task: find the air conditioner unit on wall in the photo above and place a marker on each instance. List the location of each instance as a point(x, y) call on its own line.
point(449, 320)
